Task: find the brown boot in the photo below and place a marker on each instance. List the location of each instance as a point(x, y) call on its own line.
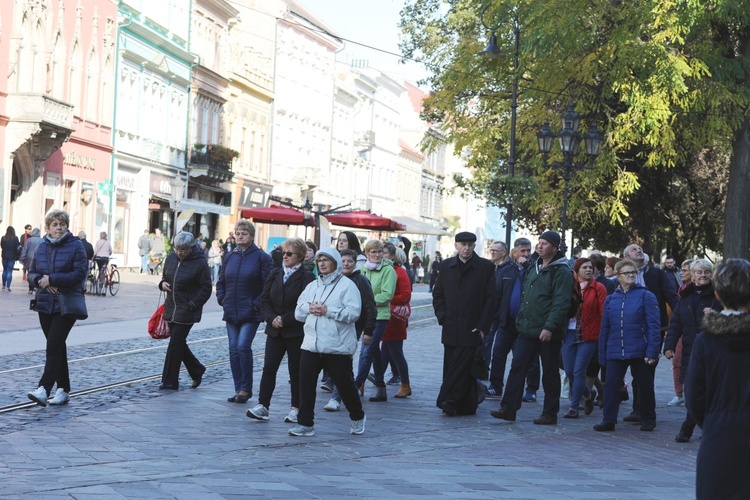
point(403, 392)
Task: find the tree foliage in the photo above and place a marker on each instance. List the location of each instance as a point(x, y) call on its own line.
point(665, 81)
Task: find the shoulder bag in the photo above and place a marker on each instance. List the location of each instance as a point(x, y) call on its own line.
point(72, 305)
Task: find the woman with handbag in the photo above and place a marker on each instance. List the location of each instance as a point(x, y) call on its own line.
point(10, 252)
point(187, 291)
point(283, 332)
point(58, 271)
point(395, 333)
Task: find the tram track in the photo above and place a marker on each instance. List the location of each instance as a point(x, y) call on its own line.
point(422, 322)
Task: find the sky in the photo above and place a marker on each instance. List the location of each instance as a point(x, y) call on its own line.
point(370, 22)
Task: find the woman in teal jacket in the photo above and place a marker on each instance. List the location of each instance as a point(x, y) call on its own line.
point(382, 276)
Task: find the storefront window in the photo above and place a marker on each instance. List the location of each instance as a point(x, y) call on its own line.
point(122, 221)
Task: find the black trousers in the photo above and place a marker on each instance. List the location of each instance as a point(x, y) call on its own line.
point(459, 387)
point(339, 367)
point(525, 351)
point(276, 347)
point(178, 353)
point(643, 373)
point(56, 329)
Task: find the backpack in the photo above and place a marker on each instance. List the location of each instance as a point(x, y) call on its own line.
point(576, 297)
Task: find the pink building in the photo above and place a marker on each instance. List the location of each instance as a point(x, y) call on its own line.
point(56, 108)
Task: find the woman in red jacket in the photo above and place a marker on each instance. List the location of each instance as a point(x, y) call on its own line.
point(582, 336)
point(395, 332)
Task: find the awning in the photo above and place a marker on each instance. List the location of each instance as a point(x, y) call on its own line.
point(364, 220)
point(202, 207)
point(415, 226)
point(276, 214)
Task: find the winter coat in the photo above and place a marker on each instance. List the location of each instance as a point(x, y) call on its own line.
point(365, 325)
point(334, 332)
point(630, 326)
point(10, 248)
point(505, 280)
point(383, 281)
point(66, 265)
point(280, 299)
point(717, 395)
point(144, 245)
point(658, 283)
point(241, 278)
point(610, 285)
point(396, 329)
point(592, 309)
point(686, 321)
point(464, 299)
point(190, 282)
point(545, 302)
point(29, 250)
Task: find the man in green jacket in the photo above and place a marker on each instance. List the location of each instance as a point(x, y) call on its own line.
point(541, 322)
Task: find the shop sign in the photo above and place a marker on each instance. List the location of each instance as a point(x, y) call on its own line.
point(254, 195)
point(125, 180)
point(79, 160)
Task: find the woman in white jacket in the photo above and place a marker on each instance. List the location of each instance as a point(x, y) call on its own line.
point(328, 306)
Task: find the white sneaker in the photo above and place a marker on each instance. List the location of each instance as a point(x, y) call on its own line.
point(358, 426)
point(60, 398)
point(332, 405)
point(677, 401)
point(260, 412)
point(38, 396)
point(302, 431)
point(292, 417)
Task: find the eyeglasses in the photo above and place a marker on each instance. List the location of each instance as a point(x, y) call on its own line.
point(492, 250)
point(684, 270)
point(628, 273)
point(323, 261)
point(288, 254)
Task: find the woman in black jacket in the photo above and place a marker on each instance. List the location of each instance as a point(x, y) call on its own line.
point(187, 281)
point(696, 299)
point(284, 333)
point(717, 392)
point(59, 266)
point(10, 254)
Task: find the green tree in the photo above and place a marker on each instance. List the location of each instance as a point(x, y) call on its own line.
point(665, 81)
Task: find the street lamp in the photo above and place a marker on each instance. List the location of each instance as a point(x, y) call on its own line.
point(492, 51)
point(570, 141)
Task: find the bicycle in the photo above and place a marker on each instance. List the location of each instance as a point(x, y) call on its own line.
point(108, 278)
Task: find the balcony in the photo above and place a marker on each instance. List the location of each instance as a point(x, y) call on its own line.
point(212, 162)
point(46, 111)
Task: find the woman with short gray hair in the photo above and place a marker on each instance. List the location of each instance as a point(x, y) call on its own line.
point(187, 292)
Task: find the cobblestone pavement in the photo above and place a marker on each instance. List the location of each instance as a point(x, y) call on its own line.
point(136, 441)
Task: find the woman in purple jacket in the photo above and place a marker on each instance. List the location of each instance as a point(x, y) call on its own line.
point(241, 277)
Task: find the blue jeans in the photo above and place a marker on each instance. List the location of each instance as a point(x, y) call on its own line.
point(576, 358)
point(7, 272)
point(241, 354)
point(144, 264)
point(215, 273)
point(369, 355)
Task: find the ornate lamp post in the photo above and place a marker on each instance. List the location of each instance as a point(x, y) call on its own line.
point(570, 140)
point(493, 52)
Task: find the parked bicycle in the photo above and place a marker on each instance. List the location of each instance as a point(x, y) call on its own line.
point(107, 278)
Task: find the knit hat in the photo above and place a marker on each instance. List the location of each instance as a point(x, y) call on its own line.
point(551, 237)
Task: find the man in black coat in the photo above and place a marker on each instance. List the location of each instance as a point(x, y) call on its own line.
point(464, 303)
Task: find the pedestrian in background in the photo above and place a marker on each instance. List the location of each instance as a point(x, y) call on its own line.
point(435, 269)
point(102, 251)
point(329, 307)
point(27, 230)
point(144, 249)
point(10, 253)
point(59, 266)
point(284, 333)
point(630, 337)
point(215, 255)
point(717, 388)
point(464, 304)
point(29, 250)
point(392, 346)
point(187, 282)
point(241, 278)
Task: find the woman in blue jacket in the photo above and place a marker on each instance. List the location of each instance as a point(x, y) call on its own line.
point(241, 277)
point(59, 266)
point(630, 337)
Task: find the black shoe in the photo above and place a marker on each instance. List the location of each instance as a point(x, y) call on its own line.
point(448, 408)
point(648, 426)
point(380, 395)
point(571, 414)
point(633, 418)
point(504, 414)
point(624, 394)
point(197, 381)
point(167, 387)
point(545, 419)
point(682, 438)
point(242, 399)
point(604, 427)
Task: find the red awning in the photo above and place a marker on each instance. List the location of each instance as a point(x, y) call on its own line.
point(276, 214)
point(364, 220)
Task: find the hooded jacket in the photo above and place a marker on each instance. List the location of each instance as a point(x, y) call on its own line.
point(545, 301)
point(365, 325)
point(334, 332)
point(383, 281)
point(630, 326)
point(241, 278)
point(717, 395)
point(190, 283)
point(64, 261)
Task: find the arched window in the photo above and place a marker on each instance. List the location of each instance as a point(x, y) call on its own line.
point(57, 87)
point(92, 86)
point(76, 77)
point(107, 93)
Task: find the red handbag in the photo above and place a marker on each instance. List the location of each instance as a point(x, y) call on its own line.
point(158, 328)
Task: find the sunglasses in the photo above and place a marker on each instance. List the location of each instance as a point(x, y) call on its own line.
point(628, 273)
point(288, 254)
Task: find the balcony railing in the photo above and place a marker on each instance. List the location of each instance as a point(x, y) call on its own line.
point(40, 108)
